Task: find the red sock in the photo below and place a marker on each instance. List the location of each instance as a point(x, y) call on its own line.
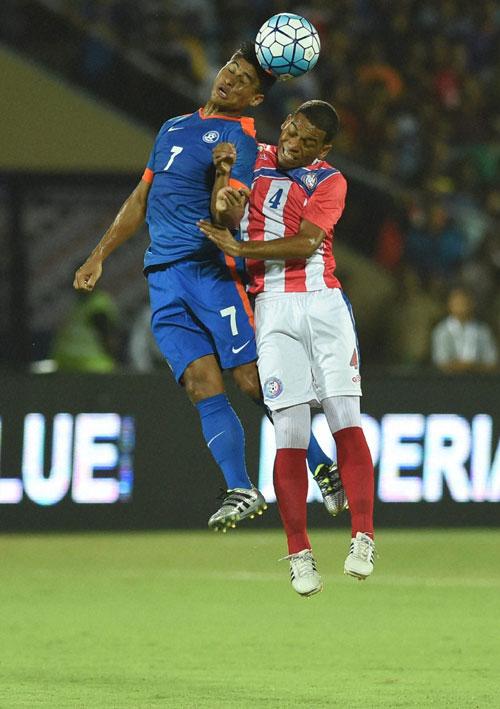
point(290, 484)
point(356, 472)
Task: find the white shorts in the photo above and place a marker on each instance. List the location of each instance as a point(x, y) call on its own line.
point(307, 347)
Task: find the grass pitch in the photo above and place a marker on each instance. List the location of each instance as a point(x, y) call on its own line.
point(201, 620)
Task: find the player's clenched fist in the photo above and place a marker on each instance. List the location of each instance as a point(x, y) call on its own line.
point(87, 275)
point(224, 157)
point(231, 198)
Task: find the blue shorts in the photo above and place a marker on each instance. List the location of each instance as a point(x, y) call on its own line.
point(201, 308)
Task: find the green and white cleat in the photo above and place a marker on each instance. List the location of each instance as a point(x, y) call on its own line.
point(237, 505)
point(361, 557)
point(303, 573)
point(330, 484)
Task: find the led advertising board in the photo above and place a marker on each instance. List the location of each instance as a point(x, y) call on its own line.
point(125, 452)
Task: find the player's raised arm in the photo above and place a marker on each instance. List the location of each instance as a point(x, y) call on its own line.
point(226, 208)
point(300, 246)
point(126, 223)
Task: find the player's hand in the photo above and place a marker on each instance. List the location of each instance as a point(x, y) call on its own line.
point(87, 275)
point(221, 237)
point(224, 157)
point(231, 198)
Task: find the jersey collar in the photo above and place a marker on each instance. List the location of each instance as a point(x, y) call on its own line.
point(246, 122)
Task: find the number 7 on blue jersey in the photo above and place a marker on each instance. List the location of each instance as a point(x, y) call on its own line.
point(174, 152)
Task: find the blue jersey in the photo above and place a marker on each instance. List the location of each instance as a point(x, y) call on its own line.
point(182, 174)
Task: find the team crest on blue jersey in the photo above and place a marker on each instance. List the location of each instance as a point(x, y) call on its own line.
point(273, 387)
point(211, 137)
point(310, 179)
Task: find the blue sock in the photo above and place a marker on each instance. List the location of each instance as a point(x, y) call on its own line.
point(224, 435)
point(316, 455)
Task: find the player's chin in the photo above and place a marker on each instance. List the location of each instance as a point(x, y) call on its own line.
point(286, 165)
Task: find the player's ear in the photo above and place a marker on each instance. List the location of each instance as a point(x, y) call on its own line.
point(257, 99)
point(325, 150)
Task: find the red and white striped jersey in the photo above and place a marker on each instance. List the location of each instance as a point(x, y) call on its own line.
point(278, 203)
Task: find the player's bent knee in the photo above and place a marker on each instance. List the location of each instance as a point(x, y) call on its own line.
point(203, 379)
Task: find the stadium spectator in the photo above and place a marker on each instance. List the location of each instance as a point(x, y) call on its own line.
point(415, 84)
point(435, 248)
point(89, 340)
point(460, 343)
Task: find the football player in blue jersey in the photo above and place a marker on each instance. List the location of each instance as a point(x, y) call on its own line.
point(201, 316)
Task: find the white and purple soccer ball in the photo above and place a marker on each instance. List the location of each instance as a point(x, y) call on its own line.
point(287, 45)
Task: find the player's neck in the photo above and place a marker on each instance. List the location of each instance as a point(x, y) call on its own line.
point(212, 109)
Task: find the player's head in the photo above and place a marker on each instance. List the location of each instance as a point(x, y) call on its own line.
point(461, 303)
point(307, 134)
point(241, 82)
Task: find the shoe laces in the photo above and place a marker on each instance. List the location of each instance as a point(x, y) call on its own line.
point(302, 563)
point(226, 494)
point(363, 549)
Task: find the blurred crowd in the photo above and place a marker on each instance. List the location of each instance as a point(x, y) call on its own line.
point(416, 85)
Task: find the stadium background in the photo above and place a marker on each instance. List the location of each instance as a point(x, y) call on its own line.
point(84, 87)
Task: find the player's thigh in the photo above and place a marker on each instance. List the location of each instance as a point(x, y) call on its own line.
point(334, 345)
point(221, 305)
point(283, 363)
point(180, 338)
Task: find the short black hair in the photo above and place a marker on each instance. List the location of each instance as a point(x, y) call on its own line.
point(247, 51)
point(322, 115)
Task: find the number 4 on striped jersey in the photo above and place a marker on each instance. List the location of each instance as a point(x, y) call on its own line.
point(274, 201)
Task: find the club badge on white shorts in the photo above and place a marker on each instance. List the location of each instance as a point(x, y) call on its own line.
point(273, 387)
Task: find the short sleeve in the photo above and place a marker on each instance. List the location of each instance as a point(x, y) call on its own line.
point(246, 155)
point(148, 173)
point(326, 205)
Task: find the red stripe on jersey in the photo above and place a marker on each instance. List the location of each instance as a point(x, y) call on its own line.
point(295, 274)
point(331, 281)
point(256, 269)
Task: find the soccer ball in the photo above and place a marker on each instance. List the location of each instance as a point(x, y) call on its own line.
point(287, 45)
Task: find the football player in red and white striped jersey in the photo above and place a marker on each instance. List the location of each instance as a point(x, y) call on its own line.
point(306, 339)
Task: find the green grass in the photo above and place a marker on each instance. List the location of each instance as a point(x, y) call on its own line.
point(201, 620)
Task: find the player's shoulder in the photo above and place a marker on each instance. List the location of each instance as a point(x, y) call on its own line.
point(319, 177)
point(174, 122)
point(324, 171)
point(241, 130)
point(266, 156)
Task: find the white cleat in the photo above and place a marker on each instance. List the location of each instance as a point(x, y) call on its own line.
point(303, 574)
point(359, 562)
